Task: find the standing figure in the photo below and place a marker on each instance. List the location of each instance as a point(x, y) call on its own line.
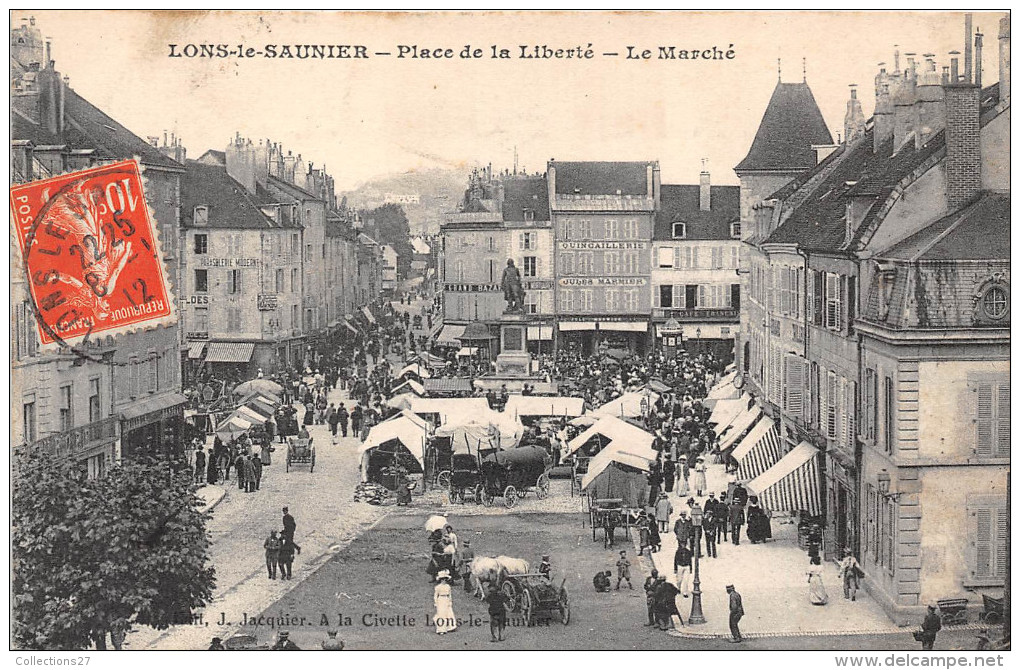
point(446, 621)
point(650, 583)
point(930, 627)
point(700, 480)
point(850, 572)
point(499, 605)
point(663, 509)
point(272, 547)
point(287, 548)
point(668, 474)
point(623, 571)
point(736, 520)
point(736, 613)
point(816, 588)
point(513, 291)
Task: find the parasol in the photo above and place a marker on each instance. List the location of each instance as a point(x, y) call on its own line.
point(435, 522)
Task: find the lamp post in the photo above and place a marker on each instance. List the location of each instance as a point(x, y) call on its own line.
point(697, 518)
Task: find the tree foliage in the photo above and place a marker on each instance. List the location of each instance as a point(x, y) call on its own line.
point(390, 226)
point(93, 557)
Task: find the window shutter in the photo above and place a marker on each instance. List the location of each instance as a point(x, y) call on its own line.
point(656, 297)
point(794, 385)
point(983, 543)
point(984, 419)
point(810, 306)
point(1002, 421)
point(679, 296)
point(694, 258)
point(830, 404)
point(702, 302)
point(851, 413)
point(677, 257)
point(1001, 538)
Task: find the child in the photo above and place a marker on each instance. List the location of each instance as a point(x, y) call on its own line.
point(623, 571)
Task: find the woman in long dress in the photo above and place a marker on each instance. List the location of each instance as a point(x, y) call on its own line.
point(683, 473)
point(816, 589)
point(446, 620)
point(700, 480)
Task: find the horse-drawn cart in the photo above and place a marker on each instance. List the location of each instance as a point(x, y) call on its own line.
point(301, 450)
point(513, 473)
point(532, 594)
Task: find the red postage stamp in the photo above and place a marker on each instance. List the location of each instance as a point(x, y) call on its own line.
point(91, 254)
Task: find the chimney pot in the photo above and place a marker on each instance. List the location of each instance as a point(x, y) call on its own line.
point(978, 44)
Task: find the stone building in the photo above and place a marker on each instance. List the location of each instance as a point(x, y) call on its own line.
point(603, 214)
point(389, 269)
point(695, 258)
point(124, 398)
point(529, 236)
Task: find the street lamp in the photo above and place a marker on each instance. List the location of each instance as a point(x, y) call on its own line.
point(697, 518)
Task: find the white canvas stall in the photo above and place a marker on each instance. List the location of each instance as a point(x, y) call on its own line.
point(533, 405)
point(616, 434)
point(792, 484)
point(723, 392)
point(738, 426)
point(606, 457)
point(409, 385)
point(403, 429)
point(487, 430)
point(415, 368)
point(627, 405)
point(237, 421)
point(251, 415)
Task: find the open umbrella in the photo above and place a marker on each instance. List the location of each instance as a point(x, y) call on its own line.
point(258, 386)
point(435, 522)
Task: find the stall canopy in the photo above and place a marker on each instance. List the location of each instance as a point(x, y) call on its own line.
point(401, 429)
point(659, 386)
point(481, 429)
point(618, 435)
point(728, 436)
point(368, 314)
point(230, 352)
point(258, 386)
point(627, 405)
point(759, 450)
point(792, 484)
point(414, 369)
point(723, 391)
point(448, 385)
point(235, 422)
point(533, 405)
point(467, 351)
point(410, 386)
point(537, 333)
point(251, 415)
point(347, 324)
point(450, 336)
point(618, 474)
point(447, 408)
point(584, 420)
point(726, 411)
point(260, 405)
point(195, 350)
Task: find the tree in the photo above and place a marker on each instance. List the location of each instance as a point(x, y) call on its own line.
point(390, 226)
point(91, 557)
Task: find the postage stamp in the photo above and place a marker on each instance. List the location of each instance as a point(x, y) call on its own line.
point(91, 253)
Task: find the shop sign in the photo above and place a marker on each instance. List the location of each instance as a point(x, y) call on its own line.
point(267, 302)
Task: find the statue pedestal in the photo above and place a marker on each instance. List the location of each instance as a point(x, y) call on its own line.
point(513, 359)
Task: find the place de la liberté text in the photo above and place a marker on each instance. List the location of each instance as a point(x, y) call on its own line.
point(422, 52)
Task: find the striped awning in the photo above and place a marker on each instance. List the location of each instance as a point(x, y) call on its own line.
point(759, 451)
point(792, 484)
point(195, 350)
point(728, 436)
point(230, 352)
point(368, 314)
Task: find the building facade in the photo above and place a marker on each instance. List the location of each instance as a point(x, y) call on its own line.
point(530, 243)
point(389, 269)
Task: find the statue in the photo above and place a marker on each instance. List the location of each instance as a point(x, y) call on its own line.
point(513, 292)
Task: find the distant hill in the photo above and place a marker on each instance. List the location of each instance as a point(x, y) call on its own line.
point(425, 195)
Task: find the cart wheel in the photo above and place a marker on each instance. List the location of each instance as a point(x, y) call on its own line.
point(542, 487)
point(527, 608)
point(510, 497)
point(564, 608)
point(992, 618)
point(443, 479)
point(511, 595)
point(479, 494)
point(487, 499)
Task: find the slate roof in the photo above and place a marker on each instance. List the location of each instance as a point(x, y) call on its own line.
point(791, 124)
point(230, 205)
point(978, 232)
point(291, 189)
point(601, 177)
point(212, 156)
point(520, 193)
point(682, 202)
point(88, 127)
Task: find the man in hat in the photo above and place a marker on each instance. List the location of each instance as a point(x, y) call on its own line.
point(930, 627)
point(623, 571)
point(545, 568)
point(736, 613)
point(467, 557)
point(332, 643)
point(284, 643)
point(849, 571)
point(650, 583)
point(736, 519)
point(217, 645)
point(683, 528)
point(499, 606)
point(722, 518)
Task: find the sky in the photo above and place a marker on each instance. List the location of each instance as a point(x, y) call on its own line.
point(368, 117)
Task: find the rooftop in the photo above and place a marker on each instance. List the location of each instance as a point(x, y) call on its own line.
point(979, 231)
point(602, 177)
point(230, 205)
point(792, 123)
point(682, 202)
point(521, 193)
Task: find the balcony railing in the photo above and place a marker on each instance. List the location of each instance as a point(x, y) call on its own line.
point(78, 440)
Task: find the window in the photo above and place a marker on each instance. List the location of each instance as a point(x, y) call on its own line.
point(152, 376)
point(565, 227)
point(833, 301)
point(529, 214)
point(796, 367)
point(566, 264)
point(691, 296)
point(234, 319)
point(630, 229)
point(531, 302)
point(995, 302)
point(201, 243)
point(890, 415)
point(28, 418)
point(716, 255)
point(567, 301)
point(294, 322)
point(585, 263)
point(280, 281)
point(294, 284)
point(612, 229)
point(530, 266)
point(295, 247)
point(735, 296)
point(815, 393)
point(613, 299)
point(630, 300)
point(870, 404)
point(26, 342)
point(831, 398)
point(95, 409)
point(735, 230)
point(233, 282)
point(992, 420)
point(527, 241)
point(584, 227)
point(734, 258)
point(492, 270)
point(630, 262)
point(66, 408)
point(201, 215)
point(308, 252)
point(988, 521)
point(460, 271)
point(201, 281)
point(665, 257)
point(666, 295)
point(202, 319)
point(492, 243)
point(611, 262)
point(679, 230)
point(587, 300)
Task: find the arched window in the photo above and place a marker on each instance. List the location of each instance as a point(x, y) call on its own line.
point(994, 302)
point(679, 230)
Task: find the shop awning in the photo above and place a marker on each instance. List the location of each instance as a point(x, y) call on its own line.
point(195, 350)
point(726, 411)
point(368, 314)
point(251, 415)
point(536, 333)
point(577, 325)
point(725, 391)
point(347, 324)
point(728, 436)
point(624, 326)
point(409, 385)
point(759, 451)
point(629, 405)
point(230, 352)
point(533, 405)
point(414, 369)
point(448, 385)
point(153, 404)
point(467, 351)
point(450, 336)
point(792, 484)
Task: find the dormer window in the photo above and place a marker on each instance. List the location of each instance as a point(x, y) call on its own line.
point(735, 230)
point(995, 302)
point(201, 215)
point(679, 230)
point(529, 215)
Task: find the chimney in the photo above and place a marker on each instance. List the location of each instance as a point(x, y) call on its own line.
point(929, 117)
point(63, 84)
point(903, 105)
point(968, 30)
point(883, 119)
point(1004, 59)
point(963, 143)
point(649, 181)
point(706, 187)
point(853, 122)
point(954, 67)
point(978, 43)
point(551, 183)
